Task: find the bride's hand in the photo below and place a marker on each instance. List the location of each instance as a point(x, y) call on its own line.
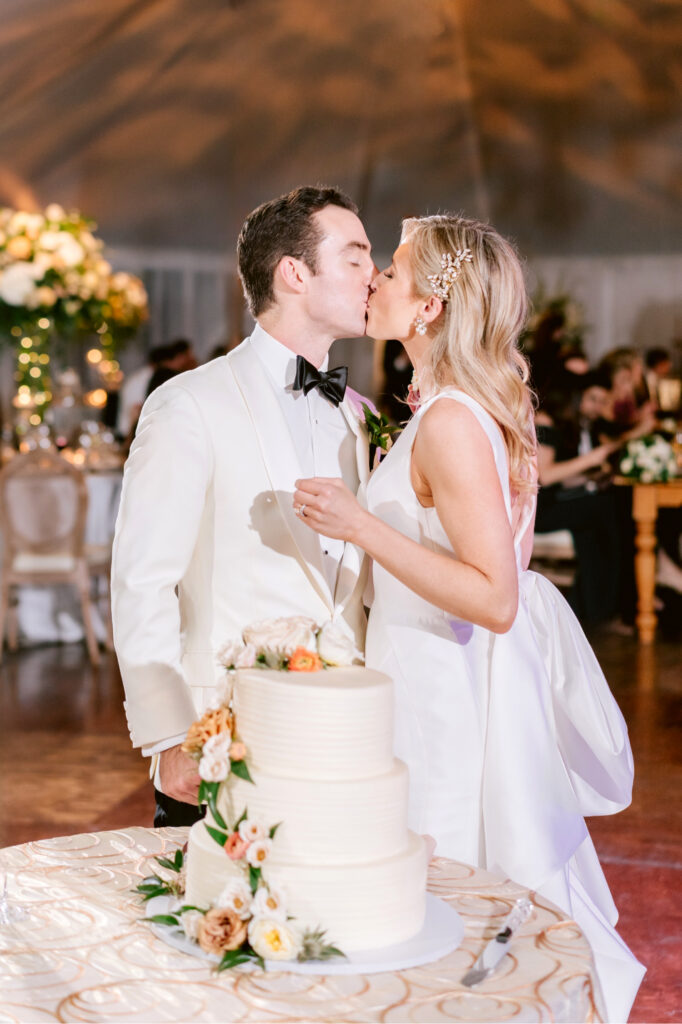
point(327, 506)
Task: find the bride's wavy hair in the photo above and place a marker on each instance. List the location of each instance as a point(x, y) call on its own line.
point(474, 341)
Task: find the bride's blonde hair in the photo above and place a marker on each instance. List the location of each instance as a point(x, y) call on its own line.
point(474, 341)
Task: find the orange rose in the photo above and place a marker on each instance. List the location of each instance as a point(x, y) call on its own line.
point(236, 847)
point(303, 660)
point(221, 930)
point(211, 723)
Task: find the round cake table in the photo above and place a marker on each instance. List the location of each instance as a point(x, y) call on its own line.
point(85, 953)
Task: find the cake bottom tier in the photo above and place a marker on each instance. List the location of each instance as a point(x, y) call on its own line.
point(359, 906)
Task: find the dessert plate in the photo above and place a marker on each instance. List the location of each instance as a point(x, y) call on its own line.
point(441, 934)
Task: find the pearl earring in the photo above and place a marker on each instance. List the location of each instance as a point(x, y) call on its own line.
point(420, 325)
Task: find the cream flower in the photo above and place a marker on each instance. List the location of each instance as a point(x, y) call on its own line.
point(217, 746)
point(246, 657)
point(191, 922)
point(269, 902)
point(280, 637)
point(258, 852)
point(335, 645)
point(228, 654)
point(19, 247)
point(274, 940)
point(55, 212)
point(236, 896)
point(251, 830)
point(214, 769)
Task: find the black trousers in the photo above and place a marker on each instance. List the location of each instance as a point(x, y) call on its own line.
point(175, 812)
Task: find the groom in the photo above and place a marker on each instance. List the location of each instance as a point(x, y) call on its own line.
point(207, 540)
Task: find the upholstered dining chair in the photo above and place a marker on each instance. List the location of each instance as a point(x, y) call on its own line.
point(43, 506)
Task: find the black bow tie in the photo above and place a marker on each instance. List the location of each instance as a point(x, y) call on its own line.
point(331, 384)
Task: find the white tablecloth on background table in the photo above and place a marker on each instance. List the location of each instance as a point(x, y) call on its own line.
point(86, 954)
point(52, 614)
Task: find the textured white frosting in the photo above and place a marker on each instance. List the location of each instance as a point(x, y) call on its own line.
point(333, 724)
point(360, 906)
point(336, 821)
point(319, 748)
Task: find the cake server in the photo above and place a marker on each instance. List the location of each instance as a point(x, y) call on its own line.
point(498, 947)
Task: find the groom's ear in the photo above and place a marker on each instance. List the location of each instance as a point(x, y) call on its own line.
point(292, 274)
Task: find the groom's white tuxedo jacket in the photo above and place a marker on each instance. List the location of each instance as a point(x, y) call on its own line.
point(207, 540)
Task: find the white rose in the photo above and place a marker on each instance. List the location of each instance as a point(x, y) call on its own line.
point(214, 769)
point(251, 830)
point(258, 852)
point(69, 250)
point(627, 465)
point(236, 896)
point(190, 921)
point(17, 283)
point(55, 212)
point(246, 657)
point(647, 477)
point(274, 940)
point(218, 746)
point(281, 637)
point(269, 902)
point(228, 654)
point(335, 645)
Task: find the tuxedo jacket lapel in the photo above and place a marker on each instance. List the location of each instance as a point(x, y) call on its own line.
point(280, 458)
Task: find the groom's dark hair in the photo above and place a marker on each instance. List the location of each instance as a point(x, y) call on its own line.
point(278, 228)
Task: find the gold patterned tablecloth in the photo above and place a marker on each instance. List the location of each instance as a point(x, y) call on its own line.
point(85, 954)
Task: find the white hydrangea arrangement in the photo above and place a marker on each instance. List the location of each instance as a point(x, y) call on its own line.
point(52, 271)
point(649, 459)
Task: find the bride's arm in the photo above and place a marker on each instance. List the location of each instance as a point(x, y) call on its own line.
point(452, 461)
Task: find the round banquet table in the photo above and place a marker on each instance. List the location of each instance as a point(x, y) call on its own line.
point(84, 952)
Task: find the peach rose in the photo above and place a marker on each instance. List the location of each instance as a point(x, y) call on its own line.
point(220, 930)
point(303, 660)
point(236, 847)
point(237, 751)
point(212, 722)
point(19, 247)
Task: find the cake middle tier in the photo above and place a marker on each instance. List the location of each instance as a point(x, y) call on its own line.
point(336, 822)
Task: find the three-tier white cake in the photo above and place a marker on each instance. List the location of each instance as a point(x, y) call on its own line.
point(319, 748)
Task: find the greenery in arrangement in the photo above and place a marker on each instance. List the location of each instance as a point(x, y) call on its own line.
point(560, 316)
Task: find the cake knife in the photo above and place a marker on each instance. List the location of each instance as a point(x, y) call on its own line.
point(498, 947)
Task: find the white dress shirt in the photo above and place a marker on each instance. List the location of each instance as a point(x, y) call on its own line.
point(323, 439)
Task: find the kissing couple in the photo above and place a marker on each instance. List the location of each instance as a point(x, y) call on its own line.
point(240, 503)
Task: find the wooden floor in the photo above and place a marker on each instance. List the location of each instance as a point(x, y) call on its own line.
point(67, 767)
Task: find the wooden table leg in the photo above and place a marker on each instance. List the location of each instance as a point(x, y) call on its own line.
point(644, 510)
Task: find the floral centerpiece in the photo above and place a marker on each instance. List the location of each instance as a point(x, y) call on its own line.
point(55, 282)
point(248, 921)
point(649, 459)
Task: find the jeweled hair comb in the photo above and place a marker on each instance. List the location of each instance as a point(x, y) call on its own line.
point(451, 267)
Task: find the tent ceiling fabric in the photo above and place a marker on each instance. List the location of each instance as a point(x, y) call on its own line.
point(168, 120)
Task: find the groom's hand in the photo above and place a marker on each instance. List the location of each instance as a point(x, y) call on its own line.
point(178, 775)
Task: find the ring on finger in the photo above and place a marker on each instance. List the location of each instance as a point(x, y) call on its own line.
point(300, 511)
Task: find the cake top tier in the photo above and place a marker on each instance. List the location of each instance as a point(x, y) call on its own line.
point(336, 723)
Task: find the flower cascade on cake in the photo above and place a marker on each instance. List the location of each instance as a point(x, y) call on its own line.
point(248, 920)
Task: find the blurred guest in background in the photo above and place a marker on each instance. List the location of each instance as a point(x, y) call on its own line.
point(630, 406)
point(397, 374)
point(133, 391)
point(575, 495)
point(659, 364)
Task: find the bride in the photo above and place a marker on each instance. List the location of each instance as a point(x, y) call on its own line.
point(503, 716)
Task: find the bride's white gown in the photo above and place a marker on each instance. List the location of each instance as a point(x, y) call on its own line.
point(510, 739)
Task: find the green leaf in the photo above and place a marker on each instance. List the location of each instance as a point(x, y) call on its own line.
point(273, 830)
point(220, 837)
point(188, 906)
point(179, 859)
point(234, 957)
point(240, 769)
point(169, 919)
point(167, 863)
point(254, 878)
